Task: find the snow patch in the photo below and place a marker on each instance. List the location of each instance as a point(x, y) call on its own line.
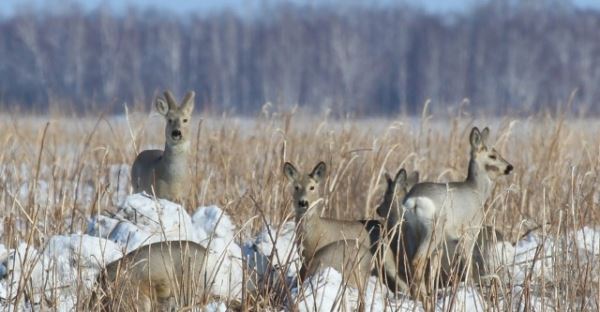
point(67, 266)
point(588, 239)
point(162, 219)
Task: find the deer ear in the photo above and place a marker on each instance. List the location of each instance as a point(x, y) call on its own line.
point(388, 178)
point(290, 171)
point(170, 100)
point(485, 134)
point(319, 171)
point(188, 103)
point(161, 106)
point(400, 177)
point(475, 138)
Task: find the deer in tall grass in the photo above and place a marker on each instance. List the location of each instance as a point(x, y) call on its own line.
point(165, 173)
point(350, 257)
point(321, 237)
point(404, 240)
point(454, 211)
point(155, 277)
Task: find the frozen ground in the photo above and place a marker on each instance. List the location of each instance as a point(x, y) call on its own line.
point(68, 265)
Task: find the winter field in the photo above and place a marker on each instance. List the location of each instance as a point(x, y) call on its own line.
point(67, 210)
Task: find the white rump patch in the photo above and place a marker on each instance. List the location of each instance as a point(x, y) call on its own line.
point(423, 207)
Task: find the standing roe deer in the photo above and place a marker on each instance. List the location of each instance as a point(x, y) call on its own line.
point(404, 241)
point(452, 211)
point(166, 173)
point(316, 232)
point(152, 276)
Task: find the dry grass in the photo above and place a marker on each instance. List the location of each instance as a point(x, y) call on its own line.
point(237, 165)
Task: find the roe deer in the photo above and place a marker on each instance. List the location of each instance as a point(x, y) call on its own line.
point(152, 276)
point(404, 240)
point(166, 173)
point(388, 208)
point(452, 211)
point(349, 257)
point(316, 232)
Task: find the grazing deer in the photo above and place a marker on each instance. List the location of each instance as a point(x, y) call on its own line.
point(452, 211)
point(316, 232)
point(151, 277)
point(166, 173)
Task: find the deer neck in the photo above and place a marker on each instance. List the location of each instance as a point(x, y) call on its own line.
point(312, 216)
point(309, 225)
point(175, 158)
point(478, 179)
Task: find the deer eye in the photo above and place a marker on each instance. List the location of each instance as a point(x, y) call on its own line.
point(297, 188)
point(185, 120)
point(312, 188)
point(493, 157)
point(170, 120)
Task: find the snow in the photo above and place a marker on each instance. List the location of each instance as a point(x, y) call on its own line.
point(588, 239)
point(214, 228)
point(272, 257)
point(464, 299)
point(65, 267)
point(275, 249)
point(215, 307)
point(142, 220)
point(118, 176)
point(326, 291)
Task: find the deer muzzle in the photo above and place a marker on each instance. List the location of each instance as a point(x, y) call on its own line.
point(176, 135)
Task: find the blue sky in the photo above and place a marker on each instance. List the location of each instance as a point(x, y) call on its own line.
point(7, 7)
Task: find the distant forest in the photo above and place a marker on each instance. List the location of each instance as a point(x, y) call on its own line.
point(364, 61)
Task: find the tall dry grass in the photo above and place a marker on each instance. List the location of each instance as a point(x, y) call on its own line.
point(59, 171)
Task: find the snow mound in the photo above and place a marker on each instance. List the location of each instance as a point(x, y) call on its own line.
point(142, 220)
point(215, 231)
point(159, 217)
point(68, 265)
point(211, 219)
point(213, 227)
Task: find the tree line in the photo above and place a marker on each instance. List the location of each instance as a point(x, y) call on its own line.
point(503, 57)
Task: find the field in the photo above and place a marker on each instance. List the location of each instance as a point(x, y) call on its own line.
point(60, 173)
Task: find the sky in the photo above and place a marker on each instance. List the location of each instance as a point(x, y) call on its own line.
point(7, 7)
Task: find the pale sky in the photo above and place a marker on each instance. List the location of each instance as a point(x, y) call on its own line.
point(7, 7)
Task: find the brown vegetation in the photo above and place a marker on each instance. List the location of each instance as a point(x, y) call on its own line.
point(236, 164)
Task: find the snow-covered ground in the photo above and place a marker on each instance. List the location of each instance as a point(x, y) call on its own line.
point(66, 267)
